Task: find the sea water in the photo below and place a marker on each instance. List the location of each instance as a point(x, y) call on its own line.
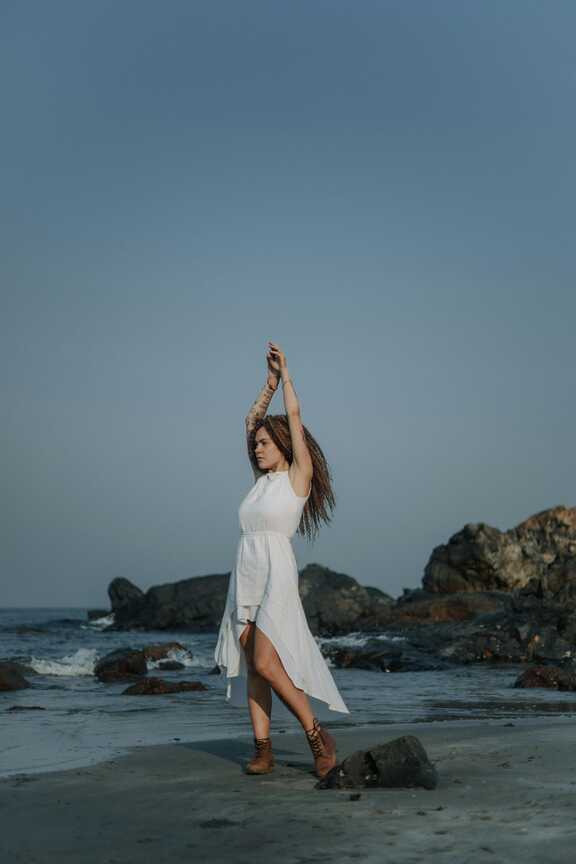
point(77, 720)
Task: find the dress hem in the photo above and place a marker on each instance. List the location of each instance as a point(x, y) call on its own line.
point(265, 623)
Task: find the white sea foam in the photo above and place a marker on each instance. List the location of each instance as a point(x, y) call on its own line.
point(180, 655)
point(356, 639)
point(81, 662)
point(99, 623)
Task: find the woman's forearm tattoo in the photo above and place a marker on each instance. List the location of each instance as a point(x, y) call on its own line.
point(260, 406)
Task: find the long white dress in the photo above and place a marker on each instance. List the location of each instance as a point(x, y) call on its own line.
point(263, 588)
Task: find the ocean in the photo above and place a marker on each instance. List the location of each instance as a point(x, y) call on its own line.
point(84, 721)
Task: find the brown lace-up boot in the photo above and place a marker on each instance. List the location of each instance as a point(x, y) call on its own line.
point(263, 760)
point(323, 747)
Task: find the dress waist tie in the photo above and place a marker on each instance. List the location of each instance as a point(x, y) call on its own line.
point(264, 531)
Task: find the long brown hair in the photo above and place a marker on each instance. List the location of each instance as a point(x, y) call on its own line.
point(322, 496)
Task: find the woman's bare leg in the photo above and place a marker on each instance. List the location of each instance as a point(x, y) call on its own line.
point(269, 667)
point(258, 689)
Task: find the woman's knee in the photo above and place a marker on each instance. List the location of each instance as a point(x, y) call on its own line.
point(261, 664)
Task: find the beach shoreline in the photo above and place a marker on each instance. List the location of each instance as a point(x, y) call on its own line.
point(506, 792)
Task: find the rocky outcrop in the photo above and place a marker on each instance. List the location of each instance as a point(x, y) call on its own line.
point(398, 764)
point(123, 593)
point(496, 596)
point(509, 636)
point(487, 596)
point(193, 605)
point(423, 606)
point(554, 589)
point(94, 614)
point(334, 603)
point(386, 655)
point(482, 558)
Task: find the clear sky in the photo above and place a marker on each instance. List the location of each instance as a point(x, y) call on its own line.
point(386, 189)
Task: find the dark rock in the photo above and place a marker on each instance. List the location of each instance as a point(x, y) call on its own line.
point(192, 605)
point(170, 665)
point(11, 678)
point(411, 595)
point(556, 587)
point(385, 656)
point(334, 604)
point(545, 643)
point(493, 646)
point(120, 664)
point(401, 763)
point(487, 596)
point(160, 650)
point(551, 677)
point(482, 558)
point(159, 687)
point(23, 668)
point(498, 596)
point(472, 560)
point(443, 644)
point(123, 595)
point(462, 606)
point(94, 614)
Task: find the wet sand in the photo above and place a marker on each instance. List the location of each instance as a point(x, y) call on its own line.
point(506, 794)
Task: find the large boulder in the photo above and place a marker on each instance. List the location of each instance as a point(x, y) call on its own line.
point(398, 764)
point(123, 594)
point(482, 558)
point(336, 604)
point(121, 664)
point(194, 605)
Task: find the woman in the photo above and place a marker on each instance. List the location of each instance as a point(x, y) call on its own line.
point(264, 636)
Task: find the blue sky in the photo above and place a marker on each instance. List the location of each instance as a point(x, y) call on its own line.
point(386, 189)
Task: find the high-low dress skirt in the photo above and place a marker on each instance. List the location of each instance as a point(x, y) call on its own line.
point(281, 617)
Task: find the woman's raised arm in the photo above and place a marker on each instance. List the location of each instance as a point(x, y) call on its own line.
point(300, 453)
point(257, 412)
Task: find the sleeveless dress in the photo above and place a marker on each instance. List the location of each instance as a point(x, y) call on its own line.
point(263, 588)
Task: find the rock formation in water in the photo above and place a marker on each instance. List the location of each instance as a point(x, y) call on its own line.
point(334, 603)
point(482, 558)
point(487, 595)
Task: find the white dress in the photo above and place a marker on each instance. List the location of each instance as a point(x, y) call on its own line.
point(263, 588)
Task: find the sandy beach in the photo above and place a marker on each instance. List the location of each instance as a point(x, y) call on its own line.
point(506, 793)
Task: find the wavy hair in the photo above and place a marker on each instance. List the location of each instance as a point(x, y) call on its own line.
point(322, 496)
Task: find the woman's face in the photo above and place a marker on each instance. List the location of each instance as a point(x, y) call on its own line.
point(268, 456)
